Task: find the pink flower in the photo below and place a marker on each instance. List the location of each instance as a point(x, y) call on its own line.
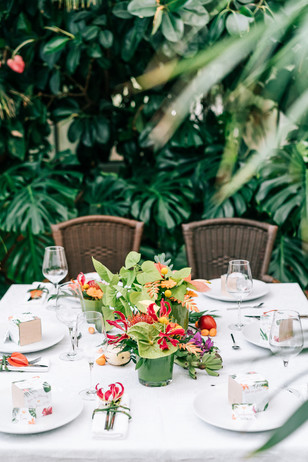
point(164, 336)
point(114, 393)
point(17, 64)
point(163, 312)
point(81, 279)
point(47, 411)
point(122, 320)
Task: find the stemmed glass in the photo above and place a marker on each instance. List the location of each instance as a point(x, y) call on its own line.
point(239, 285)
point(69, 305)
point(286, 335)
point(54, 267)
point(93, 338)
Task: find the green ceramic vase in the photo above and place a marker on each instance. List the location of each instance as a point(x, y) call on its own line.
point(156, 372)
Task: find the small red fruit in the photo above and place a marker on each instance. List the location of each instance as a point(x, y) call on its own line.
point(207, 322)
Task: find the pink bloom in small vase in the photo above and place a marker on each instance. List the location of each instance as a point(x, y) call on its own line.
point(81, 279)
point(17, 64)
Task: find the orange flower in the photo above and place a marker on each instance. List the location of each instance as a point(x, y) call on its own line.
point(95, 293)
point(168, 284)
point(191, 293)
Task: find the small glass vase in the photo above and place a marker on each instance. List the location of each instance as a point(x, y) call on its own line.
point(180, 315)
point(156, 372)
point(92, 305)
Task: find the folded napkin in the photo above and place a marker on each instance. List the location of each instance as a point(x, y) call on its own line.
point(41, 366)
point(38, 301)
point(120, 427)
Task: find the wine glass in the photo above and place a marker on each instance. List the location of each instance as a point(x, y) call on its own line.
point(286, 335)
point(93, 342)
point(68, 306)
point(54, 267)
point(239, 285)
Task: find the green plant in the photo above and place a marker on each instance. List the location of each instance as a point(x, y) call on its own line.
point(34, 195)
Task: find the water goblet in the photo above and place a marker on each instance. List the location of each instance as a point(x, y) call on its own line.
point(239, 285)
point(93, 339)
point(286, 335)
point(54, 267)
point(68, 306)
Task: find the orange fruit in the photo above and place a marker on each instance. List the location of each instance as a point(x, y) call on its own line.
point(213, 332)
point(91, 330)
point(101, 361)
point(164, 271)
point(205, 332)
point(168, 293)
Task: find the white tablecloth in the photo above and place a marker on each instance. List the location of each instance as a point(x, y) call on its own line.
point(164, 426)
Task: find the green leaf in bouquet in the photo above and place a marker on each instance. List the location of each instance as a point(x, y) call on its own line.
point(137, 297)
point(124, 307)
point(114, 280)
point(132, 259)
point(144, 332)
point(108, 315)
point(181, 274)
point(179, 292)
point(148, 351)
point(127, 276)
point(110, 296)
point(150, 273)
point(102, 271)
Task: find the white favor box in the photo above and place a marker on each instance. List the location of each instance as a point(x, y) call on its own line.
point(24, 329)
point(248, 388)
point(243, 412)
point(31, 400)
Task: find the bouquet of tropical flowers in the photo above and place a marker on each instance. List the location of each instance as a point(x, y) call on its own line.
point(151, 303)
point(90, 289)
point(139, 285)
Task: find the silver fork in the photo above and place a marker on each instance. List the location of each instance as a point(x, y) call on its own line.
point(35, 360)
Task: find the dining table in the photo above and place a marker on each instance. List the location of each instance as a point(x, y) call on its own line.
point(170, 423)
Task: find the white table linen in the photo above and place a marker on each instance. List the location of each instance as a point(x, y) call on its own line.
point(163, 427)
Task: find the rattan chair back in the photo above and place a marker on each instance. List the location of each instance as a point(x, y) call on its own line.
point(106, 238)
point(211, 244)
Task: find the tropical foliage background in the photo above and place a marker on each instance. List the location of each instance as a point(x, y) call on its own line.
point(205, 101)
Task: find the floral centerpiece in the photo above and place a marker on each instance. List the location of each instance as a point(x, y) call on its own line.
point(139, 285)
point(92, 294)
point(152, 304)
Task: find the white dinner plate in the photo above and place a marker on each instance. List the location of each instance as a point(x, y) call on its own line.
point(212, 407)
point(251, 332)
point(52, 333)
point(259, 289)
point(66, 406)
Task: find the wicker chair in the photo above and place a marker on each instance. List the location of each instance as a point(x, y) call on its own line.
point(211, 244)
point(106, 238)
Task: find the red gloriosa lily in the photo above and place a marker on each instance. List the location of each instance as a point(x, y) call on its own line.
point(164, 336)
point(117, 323)
point(81, 279)
point(114, 393)
point(163, 312)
